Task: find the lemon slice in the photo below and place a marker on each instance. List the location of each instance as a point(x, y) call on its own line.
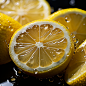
point(74, 20)
point(41, 48)
point(76, 71)
point(7, 27)
point(25, 11)
point(2, 1)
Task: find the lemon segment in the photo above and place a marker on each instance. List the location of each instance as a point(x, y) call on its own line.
point(76, 71)
point(45, 52)
point(74, 20)
point(25, 11)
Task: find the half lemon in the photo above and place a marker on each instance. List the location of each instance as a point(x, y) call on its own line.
point(41, 48)
point(76, 72)
point(25, 11)
point(74, 20)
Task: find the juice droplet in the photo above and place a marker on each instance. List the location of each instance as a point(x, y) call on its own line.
point(67, 19)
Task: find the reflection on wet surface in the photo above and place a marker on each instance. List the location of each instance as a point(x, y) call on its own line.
point(7, 83)
point(10, 75)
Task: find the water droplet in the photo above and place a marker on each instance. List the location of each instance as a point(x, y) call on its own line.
point(40, 79)
point(49, 69)
point(15, 71)
point(2, 27)
point(2, 6)
point(34, 28)
point(9, 26)
point(51, 80)
point(52, 9)
point(54, 55)
point(13, 79)
point(72, 2)
point(48, 48)
point(46, 27)
point(85, 56)
point(60, 76)
point(60, 83)
point(59, 8)
point(67, 27)
point(11, 30)
point(22, 35)
point(67, 19)
point(35, 71)
point(67, 55)
point(52, 52)
point(10, 23)
point(19, 72)
point(82, 50)
point(84, 24)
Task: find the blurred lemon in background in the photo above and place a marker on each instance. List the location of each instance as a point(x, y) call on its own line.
point(7, 27)
point(25, 11)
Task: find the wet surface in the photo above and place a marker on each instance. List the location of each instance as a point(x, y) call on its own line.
point(10, 75)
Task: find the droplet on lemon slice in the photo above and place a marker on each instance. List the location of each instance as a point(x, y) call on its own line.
point(76, 72)
point(25, 11)
point(41, 48)
point(74, 20)
point(7, 27)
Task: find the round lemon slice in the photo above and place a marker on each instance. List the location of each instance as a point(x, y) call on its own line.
point(76, 72)
point(41, 48)
point(25, 11)
point(74, 20)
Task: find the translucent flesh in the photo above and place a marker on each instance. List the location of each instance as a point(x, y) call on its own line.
point(76, 24)
point(40, 46)
point(77, 67)
point(24, 11)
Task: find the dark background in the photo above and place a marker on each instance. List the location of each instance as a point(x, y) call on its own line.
point(56, 4)
point(9, 71)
